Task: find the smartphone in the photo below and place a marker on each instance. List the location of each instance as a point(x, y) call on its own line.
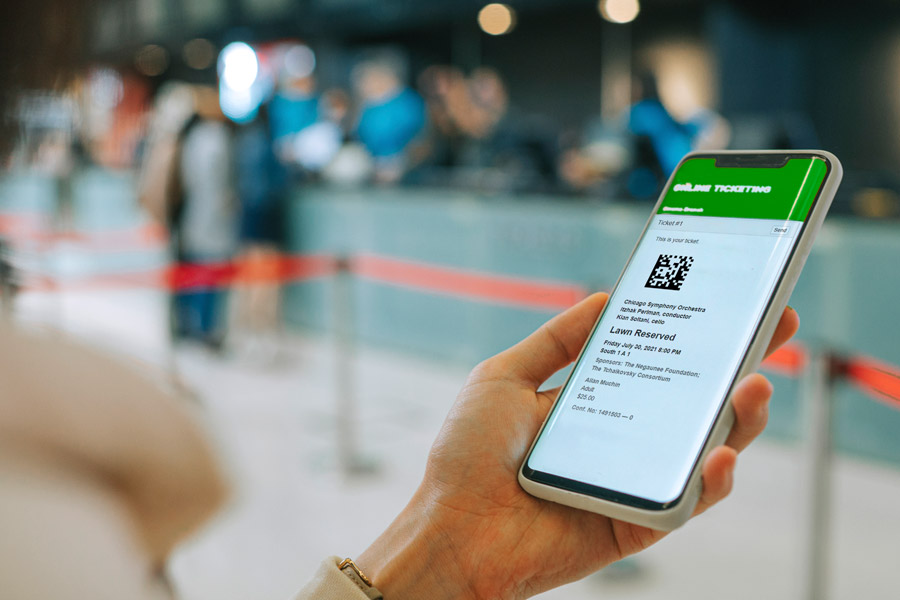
point(691, 314)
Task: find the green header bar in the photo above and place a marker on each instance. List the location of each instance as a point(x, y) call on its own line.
point(784, 193)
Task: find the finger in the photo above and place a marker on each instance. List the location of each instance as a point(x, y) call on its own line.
point(718, 477)
point(548, 397)
point(557, 343)
point(751, 410)
point(785, 330)
point(553, 346)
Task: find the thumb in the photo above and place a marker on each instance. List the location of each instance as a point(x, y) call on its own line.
point(553, 346)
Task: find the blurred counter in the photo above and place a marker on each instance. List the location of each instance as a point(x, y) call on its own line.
point(846, 297)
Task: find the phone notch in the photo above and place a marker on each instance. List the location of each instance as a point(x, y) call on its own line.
point(757, 161)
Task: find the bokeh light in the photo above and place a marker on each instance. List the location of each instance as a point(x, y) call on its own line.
point(239, 69)
point(299, 62)
point(199, 54)
point(238, 66)
point(497, 19)
point(619, 11)
point(152, 60)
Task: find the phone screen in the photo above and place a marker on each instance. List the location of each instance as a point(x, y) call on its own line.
point(638, 407)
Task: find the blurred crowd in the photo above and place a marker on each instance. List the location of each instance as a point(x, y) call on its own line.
point(440, 127)
point(216, 162)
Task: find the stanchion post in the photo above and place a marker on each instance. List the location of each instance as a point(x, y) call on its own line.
point(818, 404)
point(172, 371)
point(351, 461)
point(7, 283)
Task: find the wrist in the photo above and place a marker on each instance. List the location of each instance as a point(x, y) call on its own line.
point(416, 557)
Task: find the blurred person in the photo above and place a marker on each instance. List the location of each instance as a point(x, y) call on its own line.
point(392, 115)
point(633, 155)
point(509, 149)
point(158, 187)
point(104, 488)
point(295, 104)
point(336, 107)
point(442, 137)
point(599, 161)
point(712, 130)
point(306, 127)
point(207, 229)
point(481, 103)
point(661, 140)
point(351, 164)
point(261, 186)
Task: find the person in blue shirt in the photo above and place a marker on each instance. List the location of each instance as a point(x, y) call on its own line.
point(392, 115)
point(293, 110)
point(295, 104)
point(662, 141)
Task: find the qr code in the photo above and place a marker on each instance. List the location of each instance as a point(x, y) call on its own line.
point(669, 272)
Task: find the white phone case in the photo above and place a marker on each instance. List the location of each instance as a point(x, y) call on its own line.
point(675, 516)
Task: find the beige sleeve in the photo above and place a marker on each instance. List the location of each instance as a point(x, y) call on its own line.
point(67, 537)
point(102, 472)
point(330, 584)
point(115, 425)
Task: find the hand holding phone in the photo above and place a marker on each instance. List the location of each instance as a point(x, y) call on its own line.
point(690, 317)
point(470, 518)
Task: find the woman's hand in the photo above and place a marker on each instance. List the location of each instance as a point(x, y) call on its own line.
point(470, 531)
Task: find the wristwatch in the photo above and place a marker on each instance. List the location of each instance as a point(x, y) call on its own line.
point(349, 568)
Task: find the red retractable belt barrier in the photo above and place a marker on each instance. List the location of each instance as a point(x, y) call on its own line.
point(185, 277)
point(308, 266)
point(460, 283)
point(874, 377)
point(30, 228)
point(190, 276)
point(878, 379)
point(11, 223)
point(22, 227)
point(252, 270)
point(789, 360)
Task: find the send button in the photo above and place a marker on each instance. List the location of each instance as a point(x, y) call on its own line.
point(781, 229)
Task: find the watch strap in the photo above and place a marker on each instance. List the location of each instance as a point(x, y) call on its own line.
point(353, 572)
